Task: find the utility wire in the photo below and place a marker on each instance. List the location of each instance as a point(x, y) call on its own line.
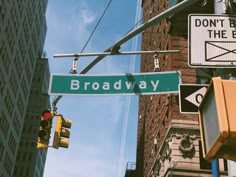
point(177, 8)
point(96, 26)
point(58, 97)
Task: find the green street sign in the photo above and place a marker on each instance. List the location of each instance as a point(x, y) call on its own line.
point(123, 84)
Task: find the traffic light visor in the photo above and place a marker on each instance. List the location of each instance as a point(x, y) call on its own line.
point(66, 123)
point(64, 142)
point(45, 124)
point(65, 133)
point(47, 114)
point(43, 134)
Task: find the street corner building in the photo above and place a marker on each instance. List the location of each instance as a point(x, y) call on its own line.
point(24, 79)
point(169, 142)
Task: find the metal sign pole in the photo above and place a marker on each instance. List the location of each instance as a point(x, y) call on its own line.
point(221, 8)
point(117, 53)
point(115, 48)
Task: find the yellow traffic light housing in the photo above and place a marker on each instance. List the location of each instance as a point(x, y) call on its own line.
point(45, 129)
point(217, 119)
point(62, 132)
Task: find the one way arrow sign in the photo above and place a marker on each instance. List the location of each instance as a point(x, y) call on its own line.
point(190, 97)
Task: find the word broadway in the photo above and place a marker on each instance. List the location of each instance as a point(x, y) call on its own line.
point(122, 84)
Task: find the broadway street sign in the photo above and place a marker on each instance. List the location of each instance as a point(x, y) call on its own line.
point(125, 84)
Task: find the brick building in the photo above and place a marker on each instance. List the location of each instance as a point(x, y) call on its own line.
point(169, 143)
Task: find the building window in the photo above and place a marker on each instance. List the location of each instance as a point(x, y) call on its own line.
point(7, 164)
point(1, 151)
point(12, 143)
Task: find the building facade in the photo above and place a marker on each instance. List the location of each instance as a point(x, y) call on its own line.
point(34, 159)
point(22, 35)
point(169, 143)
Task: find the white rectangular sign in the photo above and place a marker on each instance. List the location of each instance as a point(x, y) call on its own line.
point(212, 41)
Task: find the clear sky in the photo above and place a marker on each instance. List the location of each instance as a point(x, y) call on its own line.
point(98, 121)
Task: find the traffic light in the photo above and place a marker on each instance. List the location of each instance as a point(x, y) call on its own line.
point(45, 129)
point(62, 132)
point(217, 120)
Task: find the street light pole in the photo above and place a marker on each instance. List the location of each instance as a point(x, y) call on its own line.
point(221, 8)
point(115, 48)
point(177, 8)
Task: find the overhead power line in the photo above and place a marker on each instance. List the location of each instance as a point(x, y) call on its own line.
point(177, 8)
point(96, 26)
point(58, 97)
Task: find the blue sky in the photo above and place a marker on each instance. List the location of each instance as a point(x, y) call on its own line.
point(98, 121)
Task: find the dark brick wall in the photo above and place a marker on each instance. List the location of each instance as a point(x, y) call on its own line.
point(156, 111)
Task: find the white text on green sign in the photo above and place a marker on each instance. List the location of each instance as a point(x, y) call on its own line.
point(122, 84)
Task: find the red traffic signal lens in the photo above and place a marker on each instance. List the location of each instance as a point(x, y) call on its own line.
point(47, 115)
